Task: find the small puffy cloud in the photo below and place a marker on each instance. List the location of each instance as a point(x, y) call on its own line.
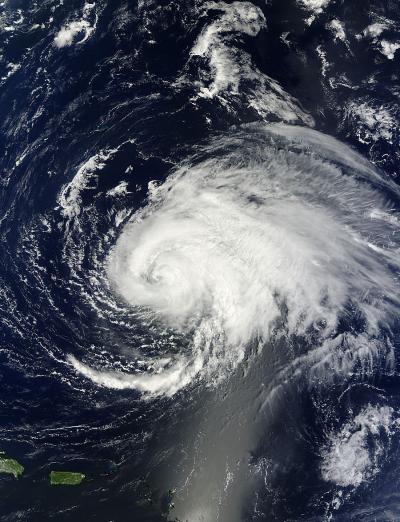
point(389, 48)
point(316, 6)
point(68, 33)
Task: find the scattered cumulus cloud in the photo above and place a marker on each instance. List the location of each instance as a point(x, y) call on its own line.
point(67, 34)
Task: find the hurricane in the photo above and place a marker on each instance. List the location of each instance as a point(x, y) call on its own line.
point(200, 261)
point(266, 231)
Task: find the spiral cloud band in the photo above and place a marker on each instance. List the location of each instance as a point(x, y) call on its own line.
point(266, 230)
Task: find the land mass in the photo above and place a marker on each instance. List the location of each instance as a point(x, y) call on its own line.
point(65, 478)
point(10, 466)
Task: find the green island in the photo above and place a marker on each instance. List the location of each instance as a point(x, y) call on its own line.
point(65, 478)
point(10, 466)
